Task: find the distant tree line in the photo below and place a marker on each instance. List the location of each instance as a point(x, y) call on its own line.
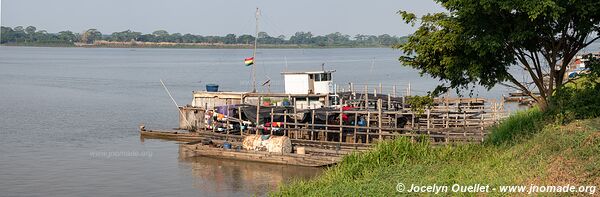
point(30, 34)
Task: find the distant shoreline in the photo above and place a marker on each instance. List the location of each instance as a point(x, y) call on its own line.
point(106, 44)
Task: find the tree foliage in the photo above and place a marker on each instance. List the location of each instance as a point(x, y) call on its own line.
point(32, 35)
point(419, 103)
point(90, 36)
point(479, 41)
point(125, 36)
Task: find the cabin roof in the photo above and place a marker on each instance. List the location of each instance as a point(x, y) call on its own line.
point(307, 72)
point(251, 94)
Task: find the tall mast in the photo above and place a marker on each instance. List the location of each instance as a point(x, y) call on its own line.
point(254, 53)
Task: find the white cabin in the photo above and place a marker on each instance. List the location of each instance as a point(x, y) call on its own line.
point(313, 82)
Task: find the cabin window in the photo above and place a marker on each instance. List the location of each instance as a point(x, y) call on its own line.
point(323, 77)
point(326, 76)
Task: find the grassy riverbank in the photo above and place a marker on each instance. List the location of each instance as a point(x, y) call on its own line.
point(525, 149)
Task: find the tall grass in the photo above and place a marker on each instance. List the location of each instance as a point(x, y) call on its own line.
point(517, 127)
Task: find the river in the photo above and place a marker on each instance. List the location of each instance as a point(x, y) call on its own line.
point(69, 116)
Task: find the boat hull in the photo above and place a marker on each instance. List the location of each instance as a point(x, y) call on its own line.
point(195, 150)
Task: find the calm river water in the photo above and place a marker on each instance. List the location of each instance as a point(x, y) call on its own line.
point(69, 116)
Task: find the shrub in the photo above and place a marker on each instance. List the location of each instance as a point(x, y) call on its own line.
point(576, 101)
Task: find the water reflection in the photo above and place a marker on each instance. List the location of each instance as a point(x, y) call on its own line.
point(225, 177)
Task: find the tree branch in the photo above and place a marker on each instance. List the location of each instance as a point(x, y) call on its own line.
point(512, 79)
point(536, 79)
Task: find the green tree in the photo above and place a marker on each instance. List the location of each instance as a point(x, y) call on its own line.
point(147, 38)
point(229, 39)
point(246, 39)
point(188, 38)
point(67, 36)
point(301, 38)
point(19, 34)
point(19, 29)
point(125, 36)
point(387, 40)
point(478, 41)
point(337, 38)
point(90, 36)
point(160, 33)
point(30, 31)
point(176, 37)
point(161, 36)
point(7, 35)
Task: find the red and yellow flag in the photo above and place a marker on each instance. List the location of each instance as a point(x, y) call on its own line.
point(249, 61)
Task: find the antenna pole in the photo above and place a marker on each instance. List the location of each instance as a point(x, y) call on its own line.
point(254, 54)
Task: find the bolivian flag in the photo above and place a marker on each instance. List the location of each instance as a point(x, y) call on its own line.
point(249, 61)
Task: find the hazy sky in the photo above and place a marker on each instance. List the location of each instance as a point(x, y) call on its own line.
point(216, 17)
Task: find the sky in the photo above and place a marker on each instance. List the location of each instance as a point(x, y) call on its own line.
point(216, 17)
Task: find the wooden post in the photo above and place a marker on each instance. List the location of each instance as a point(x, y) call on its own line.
point(396, 120)
point(394, 90)
point(368, 125)
point(241, 121)
point(367, 97)
point(227, 121)
point(403, 101)
point(285, 131)
point(257, 115)
point(272, 111)
point(380, 88)
point(295, 121)
point(428, 121)
point(327, 99)
point(353, 94)
point(465, 124)
point(214, 123)
point(355, 124)
point(341, 121)
point(464, 119)
point(447, 111)
point(326, 124)
point(412, 122)
point(456, 123)
point(379, 106)
point(481, 123)
point(308, 102)
point(312, 131)
point(447, 118)
point(389, 102)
